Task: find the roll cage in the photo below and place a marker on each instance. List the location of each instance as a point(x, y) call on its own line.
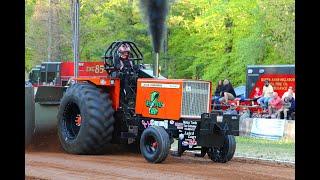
point(111, 57)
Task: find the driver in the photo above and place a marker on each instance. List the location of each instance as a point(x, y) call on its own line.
point(125, 66)
point(125, 62)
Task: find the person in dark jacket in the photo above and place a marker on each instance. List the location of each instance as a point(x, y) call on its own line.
point(218, 88)
point(227, 92)
point(292, 109)
point(217, 93)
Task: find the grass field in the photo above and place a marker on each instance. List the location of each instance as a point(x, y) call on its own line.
point(283, 150)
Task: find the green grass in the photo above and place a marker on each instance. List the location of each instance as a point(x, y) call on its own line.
point(283, 150)
point(261, 148)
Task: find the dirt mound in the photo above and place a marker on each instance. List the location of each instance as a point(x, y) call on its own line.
point(48, 142)
point(45, 159)
point(48, 165)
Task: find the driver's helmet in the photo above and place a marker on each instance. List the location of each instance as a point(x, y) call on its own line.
point(124, 51)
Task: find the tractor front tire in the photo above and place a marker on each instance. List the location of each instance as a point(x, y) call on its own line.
point(85, 120)
point(224, 153)
point(155, 144)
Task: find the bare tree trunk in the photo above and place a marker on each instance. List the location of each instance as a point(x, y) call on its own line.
point(49, 32)
point(72, 18)
point(58, 31)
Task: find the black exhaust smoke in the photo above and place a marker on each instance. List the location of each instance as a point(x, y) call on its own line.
point(155, 12)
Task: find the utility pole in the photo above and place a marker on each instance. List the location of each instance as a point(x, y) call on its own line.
point(76, 6)
point(49, 31)
point(165, 49)
point(49, 38)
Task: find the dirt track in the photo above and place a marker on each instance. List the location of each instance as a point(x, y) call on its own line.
point(50, 162)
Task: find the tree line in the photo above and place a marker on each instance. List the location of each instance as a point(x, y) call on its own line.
point(205, 39)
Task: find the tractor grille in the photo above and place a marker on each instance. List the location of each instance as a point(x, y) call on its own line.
point(195, 99)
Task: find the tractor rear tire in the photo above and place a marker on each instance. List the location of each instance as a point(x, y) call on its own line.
point(155, 144)
point(225, 153)
point(94, 132)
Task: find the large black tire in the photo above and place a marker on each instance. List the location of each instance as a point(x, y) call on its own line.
point(95, 131)
point(225, 153)
point(155, 134)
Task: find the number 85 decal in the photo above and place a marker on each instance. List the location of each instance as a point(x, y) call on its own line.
point(99, 69)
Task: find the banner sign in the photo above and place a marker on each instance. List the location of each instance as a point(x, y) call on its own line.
point(279, 82)
point(267, 128)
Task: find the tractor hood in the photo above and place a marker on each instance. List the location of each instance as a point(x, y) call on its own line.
point(173, 99)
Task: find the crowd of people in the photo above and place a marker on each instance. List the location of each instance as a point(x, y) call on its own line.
point(274, 104)
point(269, 100)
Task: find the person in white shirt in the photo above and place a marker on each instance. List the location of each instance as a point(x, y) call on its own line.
point(267, 92)
point(289, 93)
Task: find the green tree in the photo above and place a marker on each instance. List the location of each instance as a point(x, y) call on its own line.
point(207, 39)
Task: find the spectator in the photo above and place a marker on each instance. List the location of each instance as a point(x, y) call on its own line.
point(227, 92)
point(217, 93)
point(288, 93)
point(218, 88)
point(275, 104)
point(231, 110)
point(292, 109)
point(266, 95)
point(288, 106)
point(54, 81)
point(257, 94)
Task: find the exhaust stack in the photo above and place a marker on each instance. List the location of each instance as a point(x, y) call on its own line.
point(155, 13)
point(76, 37)
point(156, 66)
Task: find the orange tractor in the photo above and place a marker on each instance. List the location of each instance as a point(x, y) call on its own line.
point(150, 113)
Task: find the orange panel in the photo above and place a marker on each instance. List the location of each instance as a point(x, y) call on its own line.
point(106, 81)
point(159, 98)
